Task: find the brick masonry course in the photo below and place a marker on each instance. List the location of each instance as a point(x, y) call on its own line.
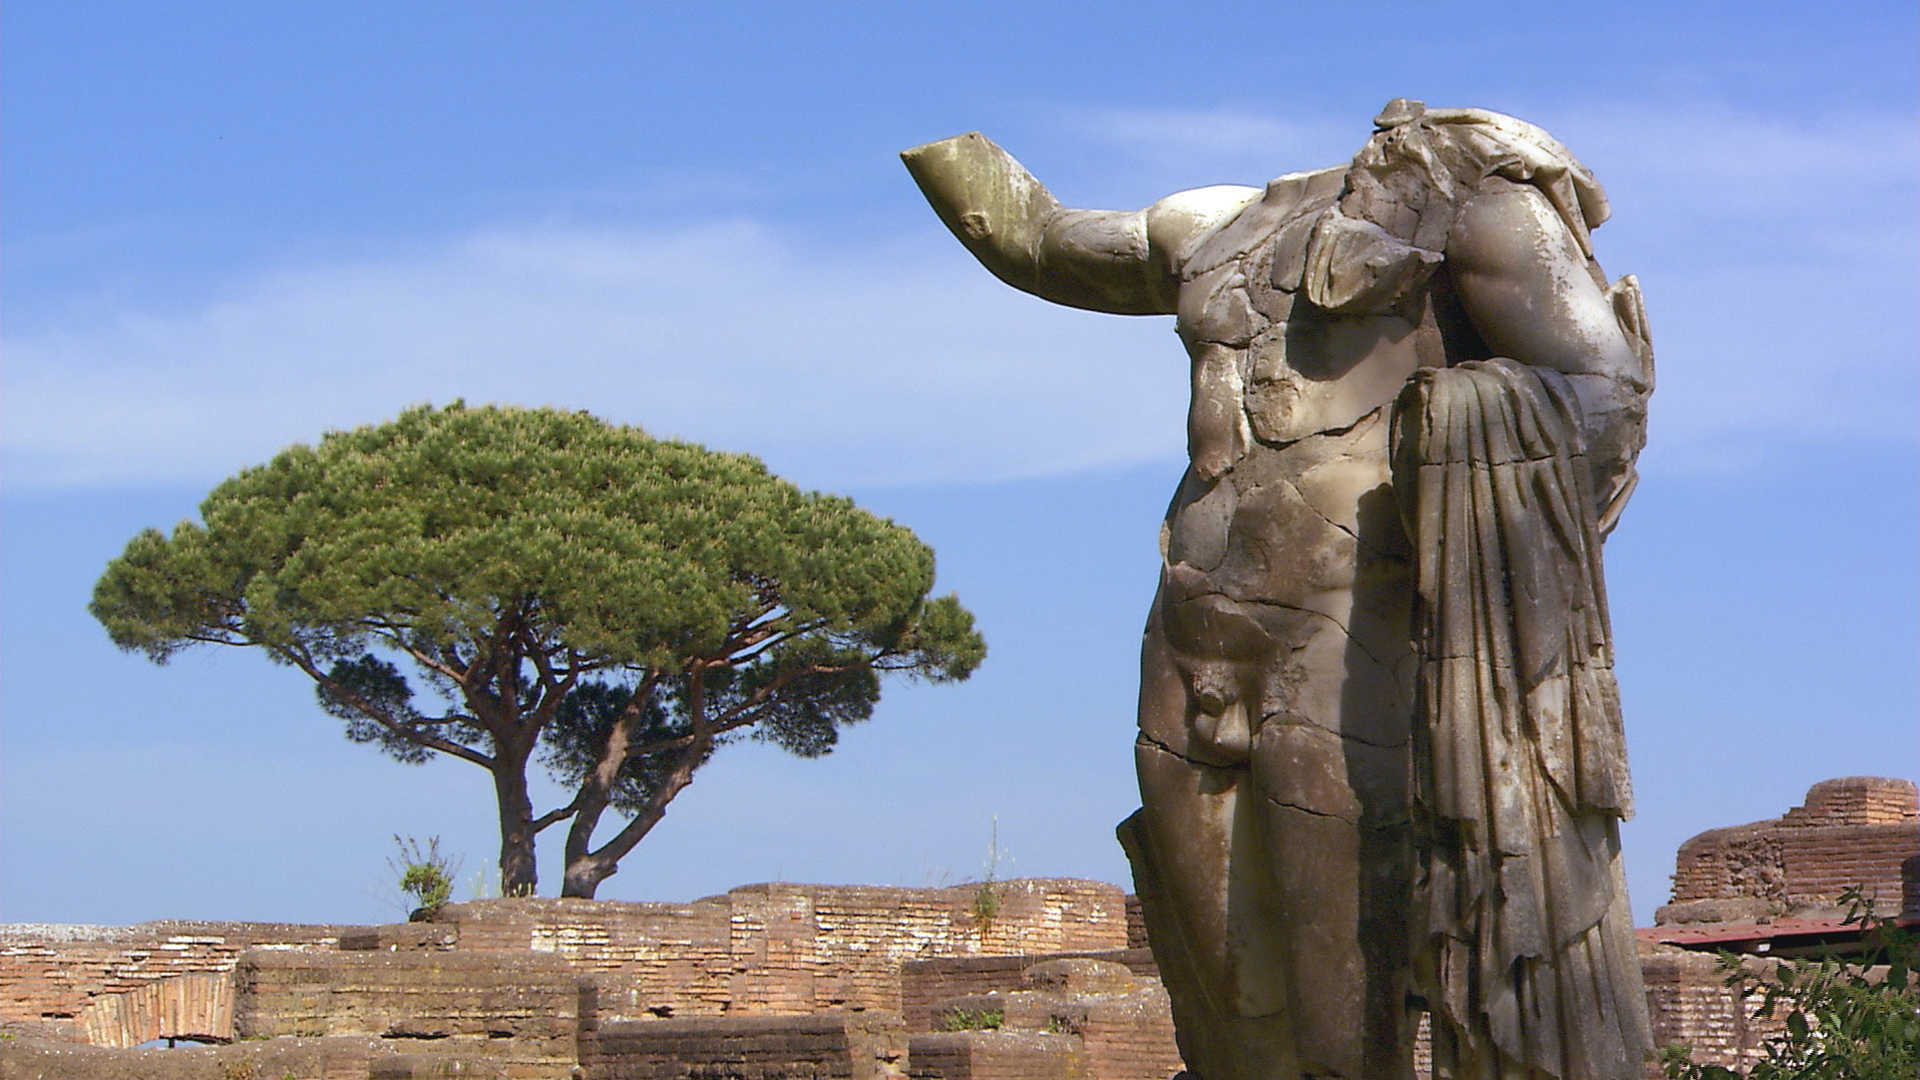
point(777, 980)
point(1854, 831)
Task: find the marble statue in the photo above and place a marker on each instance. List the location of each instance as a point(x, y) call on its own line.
point(1380, 752)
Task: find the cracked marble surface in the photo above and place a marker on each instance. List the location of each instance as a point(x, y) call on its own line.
point(1280, 739)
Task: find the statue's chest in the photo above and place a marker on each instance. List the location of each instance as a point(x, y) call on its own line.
point(1292, 368)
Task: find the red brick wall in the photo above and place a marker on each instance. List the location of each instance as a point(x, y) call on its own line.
point(1857, 800)
point(198, 1005)
point(521, 1009)
point(994, 1055)
point(1853, 831)
point(1691, 1006)
point(53, 972)
point(835, 1045)
point(791, 949)
point(925, 984)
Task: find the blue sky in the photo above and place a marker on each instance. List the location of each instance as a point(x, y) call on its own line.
point(229, 228)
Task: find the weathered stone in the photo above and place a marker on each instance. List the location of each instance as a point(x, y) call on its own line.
point(928, 986)
point(834, 1045)
point(522, 1009)
point(1853, 832)
point(995, 1055)
point(396, 937)
point(1416, 407)
point(1718, 910)
point(1081, 975)
point(1118, 1021)
point(440, 1067)
point(275, 1059)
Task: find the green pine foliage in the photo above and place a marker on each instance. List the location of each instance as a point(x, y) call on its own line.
point(497, 584)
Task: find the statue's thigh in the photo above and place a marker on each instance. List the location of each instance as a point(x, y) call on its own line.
point(1188, 815)
point(1335, 893)
point(1307, 895)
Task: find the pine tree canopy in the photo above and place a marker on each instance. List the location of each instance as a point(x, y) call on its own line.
point(626, 602)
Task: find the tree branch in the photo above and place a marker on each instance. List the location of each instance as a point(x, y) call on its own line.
point(554, 686)
point(300, 659)
point(207, 639)
point(731, 719)
point(556, 815)
point(739, 627)
point(655, 808)
point(456, 675)
point(748, 651)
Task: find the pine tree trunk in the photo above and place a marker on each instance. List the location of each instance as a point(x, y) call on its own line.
point(584, 872)
point(585, 875)
point(586, 868)
point(518, 874)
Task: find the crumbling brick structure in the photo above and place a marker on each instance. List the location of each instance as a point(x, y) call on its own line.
point(800, 981)
point(1851, 832)
point(786, 949)
point(783, 980)
point(68, 976)
point(1767, 886)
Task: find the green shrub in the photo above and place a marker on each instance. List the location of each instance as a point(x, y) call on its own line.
point(1856, 1018)
point(425, 874)
point(972, 1019)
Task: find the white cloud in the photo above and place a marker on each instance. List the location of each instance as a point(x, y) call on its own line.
point(1225, 132)
point(904, 361)
point(1165, 150)
point(841, 368)
point(1764, 164)
point(1776, 250)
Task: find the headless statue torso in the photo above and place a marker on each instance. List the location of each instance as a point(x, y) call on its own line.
point(1276, 687)
point(1287, 440)
point(1275, 853)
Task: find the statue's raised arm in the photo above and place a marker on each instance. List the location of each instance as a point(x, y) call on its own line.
point(1381, 757)
point(1117, 261)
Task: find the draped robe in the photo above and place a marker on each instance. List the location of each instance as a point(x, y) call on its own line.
point(1521, 777)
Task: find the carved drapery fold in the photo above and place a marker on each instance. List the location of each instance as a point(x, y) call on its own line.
point(1521, 781)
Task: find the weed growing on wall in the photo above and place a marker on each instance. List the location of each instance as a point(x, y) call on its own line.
point(986, 896)
point(424, 874)
point(972, 1019)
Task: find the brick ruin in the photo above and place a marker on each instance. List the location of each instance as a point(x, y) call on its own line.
point(1772, 887)
point(1851, 832)
point(766, 981)
point(780, 980)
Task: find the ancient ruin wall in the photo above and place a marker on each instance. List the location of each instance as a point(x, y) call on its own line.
point(522, 1009)
point(1692, 1006)
point(762, 950)
point(925, 985)
point(54, 973)
point(759, 949)
point(829, 1046)
point(1852, 831)
point(792, 949)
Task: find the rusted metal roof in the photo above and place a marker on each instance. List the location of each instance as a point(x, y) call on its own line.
point(1703, 935)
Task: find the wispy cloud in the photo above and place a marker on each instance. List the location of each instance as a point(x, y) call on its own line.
point(1764, 164)
point(1181, 148)
point(1212, 132)
point(903, 361)
point(1775, 249)
point(841, 368)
